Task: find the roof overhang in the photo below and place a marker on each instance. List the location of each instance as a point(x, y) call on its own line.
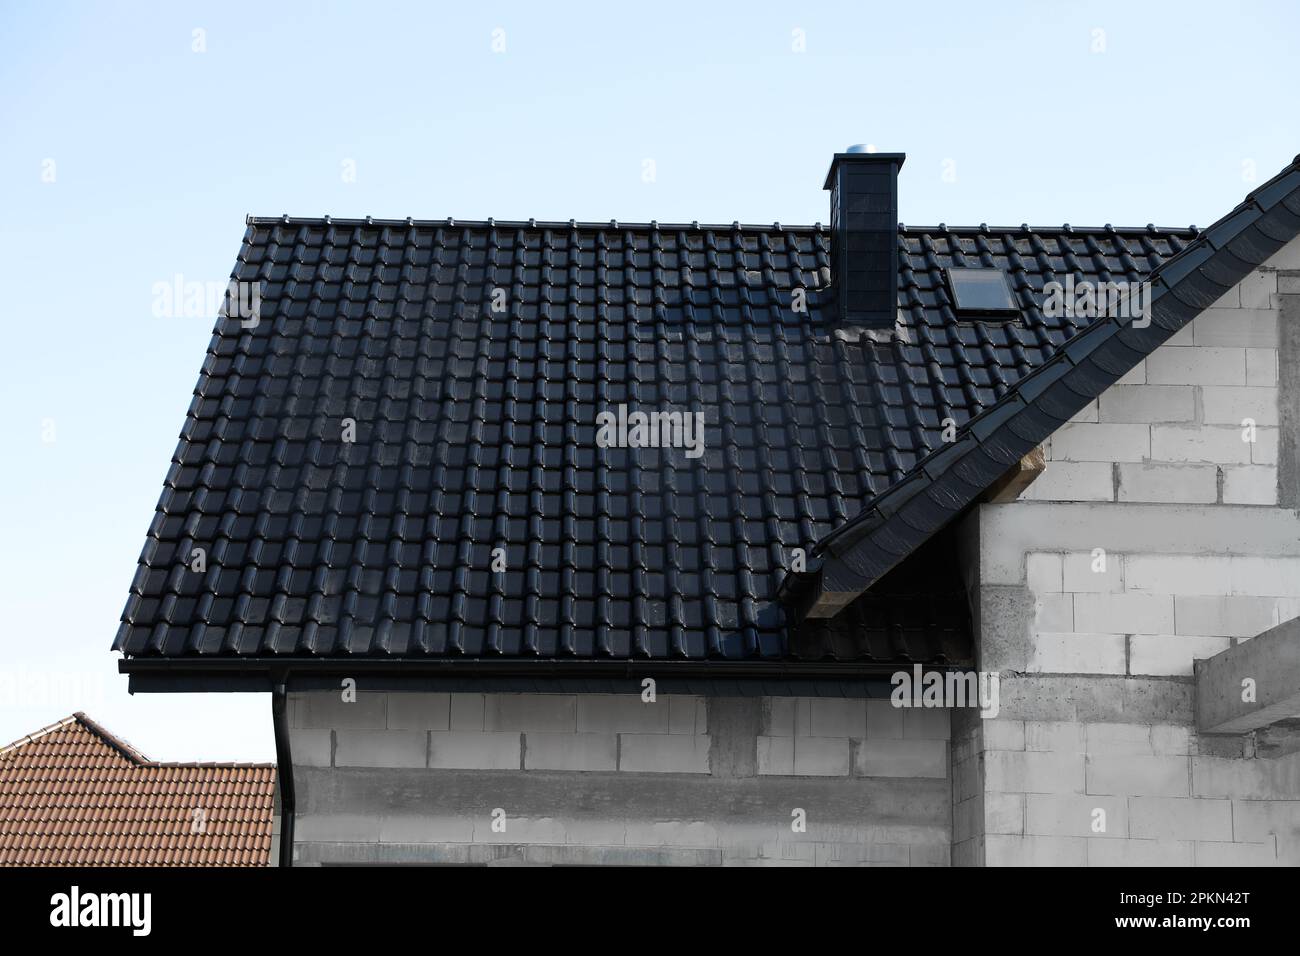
point(949, 481)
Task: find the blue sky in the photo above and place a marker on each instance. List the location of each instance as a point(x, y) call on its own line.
point(1008, 113)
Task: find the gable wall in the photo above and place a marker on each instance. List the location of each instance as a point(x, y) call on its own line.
point(1162, 531)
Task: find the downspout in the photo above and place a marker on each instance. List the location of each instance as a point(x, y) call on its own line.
point(284, 765)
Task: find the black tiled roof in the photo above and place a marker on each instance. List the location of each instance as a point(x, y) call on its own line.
point(897, 522)
point(475, 430)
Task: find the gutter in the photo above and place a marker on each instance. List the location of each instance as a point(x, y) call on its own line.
point(728, 678)
point(284, 766)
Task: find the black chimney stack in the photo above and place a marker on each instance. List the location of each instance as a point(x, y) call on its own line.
point(864, 236)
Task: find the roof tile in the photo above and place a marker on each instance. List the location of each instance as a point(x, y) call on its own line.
point(475, 430)
point(74, 794)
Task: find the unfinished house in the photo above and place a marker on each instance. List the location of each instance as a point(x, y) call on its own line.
point(612, 543)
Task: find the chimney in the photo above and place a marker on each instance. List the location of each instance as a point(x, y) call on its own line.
point(864, 236)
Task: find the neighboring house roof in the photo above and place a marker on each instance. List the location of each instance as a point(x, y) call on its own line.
point(939, 487)
point(476, 430)
point(72, 794)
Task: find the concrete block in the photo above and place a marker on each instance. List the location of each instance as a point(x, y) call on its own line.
point(326, 710)
point(1286, 258)
point(542, 713)
point(1222, 405)
point(586, 831)
point(1247, 327)
point(927, 723)
point(467, 711)
point(664, 753)
point(1124, 613)
point(1088, 574)
point(1168, 655)
point(1180, 818)
point(1075, 816)
point(1229, 300)
point(1197, 365)
point(900, 758)
point(1254, 779)
point(1146, 404)
point(1260, 821)
point(1054, 612)
point(929, 856)
point(822, 756)
point(1101, 442)
point(839, 717)
point(337, 828)
point(1210, 853)
point(1014, 771)
point(687, 714)
point(1170, 739)
point(579, 752)
point(967, 819)
point(1033, 697)
point(419, 711)
point(776, 756)
point(1117, 739)
point(1140, 853)
point(474, 750)
point(673, 833)
point(1288, 284)
point(1137, 375)
point(381, 748)
point(1137, 775)
point(1250, 485)
point(779, 716)
point(1178, 482)
point(1035, 851)
point(1004, 735)
point(310, 748)
point(1077, 653)
point(1221, 444)
point(1059, 736)
point(1043, 572)
point(1258, 289)
point(423, 828)
point(884, 720)
point(1263, 450)
point(1073, 481)
point(1264, 577)
point(1004, 813)
point(1182, 337)
point(1224, 615)
point(622, 713)
point(1184, 574)
point(1261, 367)
point(1086, 414)
point(803, 716)
point(519, 830)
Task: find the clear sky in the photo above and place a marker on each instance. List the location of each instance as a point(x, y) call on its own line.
point(134, 147)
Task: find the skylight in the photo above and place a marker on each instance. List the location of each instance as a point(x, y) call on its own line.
point(981, 292)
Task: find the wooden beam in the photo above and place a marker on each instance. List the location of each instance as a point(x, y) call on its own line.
point(1017, 478)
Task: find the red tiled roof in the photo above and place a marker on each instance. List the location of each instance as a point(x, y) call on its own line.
point(72, 794)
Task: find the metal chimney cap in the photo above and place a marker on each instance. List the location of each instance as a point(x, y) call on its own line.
point(861, 148)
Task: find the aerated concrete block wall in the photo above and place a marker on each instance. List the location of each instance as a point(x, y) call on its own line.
point(1163, 530)
point(425, 778)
